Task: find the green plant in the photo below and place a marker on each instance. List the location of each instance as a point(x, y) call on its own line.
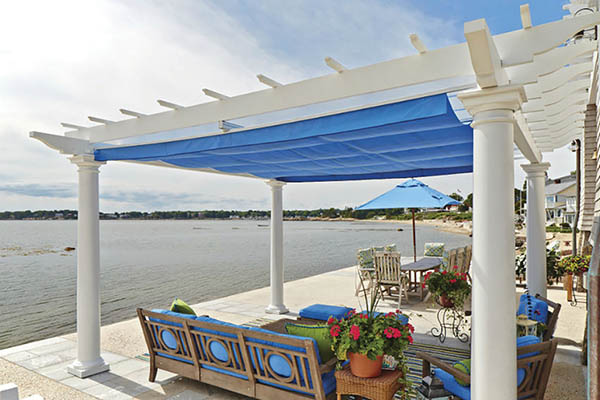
point(553, 270)
point(373, 334)
point(454, 285)
point(574, 264)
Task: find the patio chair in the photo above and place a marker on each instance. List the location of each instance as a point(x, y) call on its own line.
point(364, 271)
point(534, 362)
point(389, 275)
point(433, 250)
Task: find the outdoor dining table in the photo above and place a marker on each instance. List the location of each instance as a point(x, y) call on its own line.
point(420, 267)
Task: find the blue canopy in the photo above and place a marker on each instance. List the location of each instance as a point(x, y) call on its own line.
point(420, 137)
point(411, 194)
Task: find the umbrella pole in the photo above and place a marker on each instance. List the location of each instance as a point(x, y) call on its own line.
point(414, 237)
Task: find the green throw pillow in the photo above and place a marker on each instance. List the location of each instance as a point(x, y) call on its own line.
point(180, 306)
point(318, 332)
point(463, 366)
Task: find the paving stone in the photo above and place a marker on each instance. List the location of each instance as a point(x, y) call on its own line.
point(31, 345)
point(20, 356)
point(54, 348)
point(189, 395)
point(128, 366)
point(57, 372)
point(40, 361)
point(118, 387)
point(80, 384)
point(112, 358)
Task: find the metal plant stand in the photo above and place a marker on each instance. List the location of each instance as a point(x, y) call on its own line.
point(451, 321)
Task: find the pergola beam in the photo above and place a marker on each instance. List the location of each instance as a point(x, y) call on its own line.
point(486, 61)
point(168, 104)
point(65, 145)
point(215, 95)
point(524, 139)
point(99, 120)
point(525, 16)
point(131, 113)
point(268, 81)
point(335, 65)
point(71, 126)
point(417, 43)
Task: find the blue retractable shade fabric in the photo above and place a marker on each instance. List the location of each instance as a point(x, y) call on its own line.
point(410, 194)
point(420, 137)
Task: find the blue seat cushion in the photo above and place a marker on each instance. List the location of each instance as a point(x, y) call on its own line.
point(322, 312)
point(535, 309)
point(450, 384)
point(464, 392)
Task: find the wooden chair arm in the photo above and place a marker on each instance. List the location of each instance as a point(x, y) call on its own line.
point(428, 359)
point(328, 366)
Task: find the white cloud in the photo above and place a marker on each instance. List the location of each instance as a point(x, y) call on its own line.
point(66, 59)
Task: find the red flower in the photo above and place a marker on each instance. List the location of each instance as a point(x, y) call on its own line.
point(354, 332)
point(390, 314)
point(452, 280)
point(397, 333)
point(423, 285)
point(398, 312)
point(410, 339)
point(410, 328)
point(456, 274)
point(335, 330)
point(444, 272)
point(331, 321)
point(455, 267)
point(536, 312)
point(388, 332)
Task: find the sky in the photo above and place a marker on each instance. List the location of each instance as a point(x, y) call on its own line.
point(61, 61)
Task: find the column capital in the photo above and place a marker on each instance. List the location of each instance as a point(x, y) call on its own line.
point(497, 98)
point(535, 169)
point(275, 184)
point(86, 161)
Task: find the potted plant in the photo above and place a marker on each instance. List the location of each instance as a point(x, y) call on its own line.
point(573, 265)
point(451, 288)
point(365, 337)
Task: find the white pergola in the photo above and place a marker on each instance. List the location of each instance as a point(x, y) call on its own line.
point(528, 88)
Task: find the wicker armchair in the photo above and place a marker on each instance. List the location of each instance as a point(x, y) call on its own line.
point(534, 370)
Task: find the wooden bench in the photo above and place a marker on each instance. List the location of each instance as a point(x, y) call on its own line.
point(248, 361)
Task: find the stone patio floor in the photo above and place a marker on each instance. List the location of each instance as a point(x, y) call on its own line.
point(40, 367)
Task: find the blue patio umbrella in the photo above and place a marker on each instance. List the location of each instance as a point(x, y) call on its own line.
point(411, 194)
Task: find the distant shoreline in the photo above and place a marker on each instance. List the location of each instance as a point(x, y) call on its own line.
point(458, 227)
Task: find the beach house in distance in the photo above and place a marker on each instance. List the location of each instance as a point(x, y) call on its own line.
point(560, 200)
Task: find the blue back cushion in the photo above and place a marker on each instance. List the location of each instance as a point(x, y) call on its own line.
point(535, 309)
point(322, 312)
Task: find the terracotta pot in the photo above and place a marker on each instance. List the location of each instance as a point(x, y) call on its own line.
point(363, 367)
point(446, 302)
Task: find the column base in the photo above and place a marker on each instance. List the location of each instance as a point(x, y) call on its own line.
point(276, 309)
point(85, 369)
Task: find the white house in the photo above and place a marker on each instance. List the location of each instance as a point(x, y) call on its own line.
point(560, 200)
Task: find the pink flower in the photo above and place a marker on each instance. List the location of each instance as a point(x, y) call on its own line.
point(455, 267)
point(390, 314)
point(398, 312)
point(331, 321)
point(452, 280)
point(444, 272)
point(388, 332)
point(423, 286)
point(410, 328)
point(397, 333)
point(335, 330)
point(354, 332)
point(410, 339)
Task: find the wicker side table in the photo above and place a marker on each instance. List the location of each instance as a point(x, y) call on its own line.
point(382, 387)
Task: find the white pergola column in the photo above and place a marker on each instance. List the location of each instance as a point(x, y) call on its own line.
point(536, 228)
point(493, 348)
point(276, 306)
point(88, 362)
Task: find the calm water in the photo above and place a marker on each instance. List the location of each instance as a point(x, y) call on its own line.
point(148, 263)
